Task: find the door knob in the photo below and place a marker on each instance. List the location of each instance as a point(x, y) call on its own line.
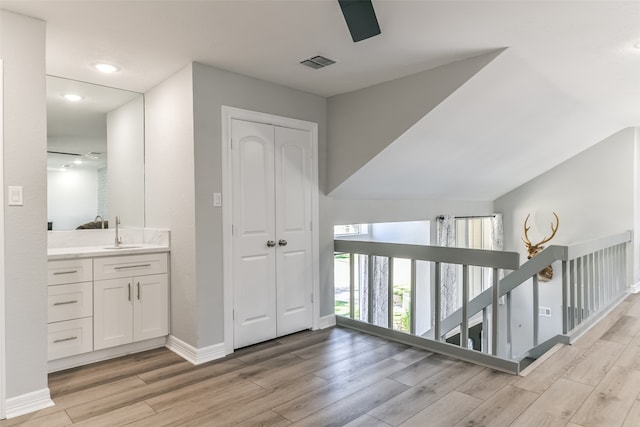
point(270, 243)
point(282, 242)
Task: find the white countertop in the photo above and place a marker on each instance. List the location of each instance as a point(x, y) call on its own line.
point(100, 251)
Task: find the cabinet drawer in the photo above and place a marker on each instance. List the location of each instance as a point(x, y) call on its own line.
point(69, 271)
point(129, 265)
point(69, 338)
point(71, 301)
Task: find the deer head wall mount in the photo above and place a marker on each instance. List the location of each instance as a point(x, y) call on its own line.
point(533, 249)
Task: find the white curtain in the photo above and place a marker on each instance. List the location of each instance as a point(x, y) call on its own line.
point(497, 240)
point(497, 233)
point(446, 234)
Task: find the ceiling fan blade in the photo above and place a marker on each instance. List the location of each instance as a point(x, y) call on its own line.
point(361, 18)
point(63, 153)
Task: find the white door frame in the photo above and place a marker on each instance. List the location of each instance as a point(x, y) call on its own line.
point(3, 371)
point(228, 114)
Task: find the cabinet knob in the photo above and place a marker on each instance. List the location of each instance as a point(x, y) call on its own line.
point(282, 242)
point(270, 243)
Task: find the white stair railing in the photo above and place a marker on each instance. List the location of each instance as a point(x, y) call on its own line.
point(594, 277)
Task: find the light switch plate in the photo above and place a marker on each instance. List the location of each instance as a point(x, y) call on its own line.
point(15, 195)
point(217, 199)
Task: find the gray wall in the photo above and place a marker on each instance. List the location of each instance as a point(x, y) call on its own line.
point(212, 89)
point(184, 169)
point(364, 122)
point(22, 47)
point(593, 195)
point(169, 190)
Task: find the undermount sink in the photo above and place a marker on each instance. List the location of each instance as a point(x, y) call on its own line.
point(123, 247)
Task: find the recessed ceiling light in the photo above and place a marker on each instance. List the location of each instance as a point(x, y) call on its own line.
point(77, 162)
point(105, 68)
point(72, 97)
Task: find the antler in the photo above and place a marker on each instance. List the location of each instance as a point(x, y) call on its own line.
point(526, 229)
point(553, 230)
point(545, 239)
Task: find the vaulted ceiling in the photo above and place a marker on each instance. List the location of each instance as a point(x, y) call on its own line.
point(569, 77)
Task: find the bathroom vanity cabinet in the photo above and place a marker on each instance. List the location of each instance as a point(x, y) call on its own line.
point(130, 299)
point(70, 307)
point(103, 302)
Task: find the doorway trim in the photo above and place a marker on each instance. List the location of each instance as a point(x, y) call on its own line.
point(228, 114)
point(3, 355)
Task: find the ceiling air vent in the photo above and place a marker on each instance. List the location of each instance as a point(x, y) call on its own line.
point(317, 62)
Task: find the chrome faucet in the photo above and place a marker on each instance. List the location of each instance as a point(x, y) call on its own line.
point(101, 221)
point(118, 241)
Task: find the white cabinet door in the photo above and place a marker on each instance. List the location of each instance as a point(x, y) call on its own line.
point(253, 233)
point(150, 307)
point(130, 309)
point(112, 312)
point(293, 229)
point(272, 175)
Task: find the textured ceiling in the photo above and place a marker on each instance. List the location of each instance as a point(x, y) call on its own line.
point(581, 52)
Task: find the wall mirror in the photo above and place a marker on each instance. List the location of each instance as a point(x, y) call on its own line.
point(95, 155)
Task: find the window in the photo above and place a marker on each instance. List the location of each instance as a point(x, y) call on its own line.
point(475, 233)
point(350, 230)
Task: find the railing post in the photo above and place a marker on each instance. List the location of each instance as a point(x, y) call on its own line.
point(352, 285)
point(494, 313)
point(370, 289)
point(509, 333)
point(464, 326)
point(536, 310)
point(565, 298)
point(592, 292)
point(413, 305)
point(572, 293)
point(624, 268)
point(597, 294)
point(437, 297)
point(390, 294)
point(580, 290)
point(484, 347)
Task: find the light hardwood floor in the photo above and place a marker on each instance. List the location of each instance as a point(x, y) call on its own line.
point(339, 377)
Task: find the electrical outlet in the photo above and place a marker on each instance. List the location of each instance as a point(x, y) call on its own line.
point(544, 311)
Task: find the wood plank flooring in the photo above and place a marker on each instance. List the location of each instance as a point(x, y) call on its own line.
point(338, 377)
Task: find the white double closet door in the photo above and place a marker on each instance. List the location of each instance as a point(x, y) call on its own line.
point(272, 277)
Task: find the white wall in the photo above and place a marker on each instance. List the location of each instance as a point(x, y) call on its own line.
point(364, 122)
point(125, 160)
point(169, 190)
point(22, 48)
point(72, 197)
point(593, 195)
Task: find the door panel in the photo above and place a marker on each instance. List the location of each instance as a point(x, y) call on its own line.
point(112, 312)
point(293, 225)
point(151, 307)
point(253, 226)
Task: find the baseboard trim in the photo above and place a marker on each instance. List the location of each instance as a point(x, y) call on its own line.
point(29, 402)
point(327, 321)
point(105, 354)
point(635, 288)
point(193, 355)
